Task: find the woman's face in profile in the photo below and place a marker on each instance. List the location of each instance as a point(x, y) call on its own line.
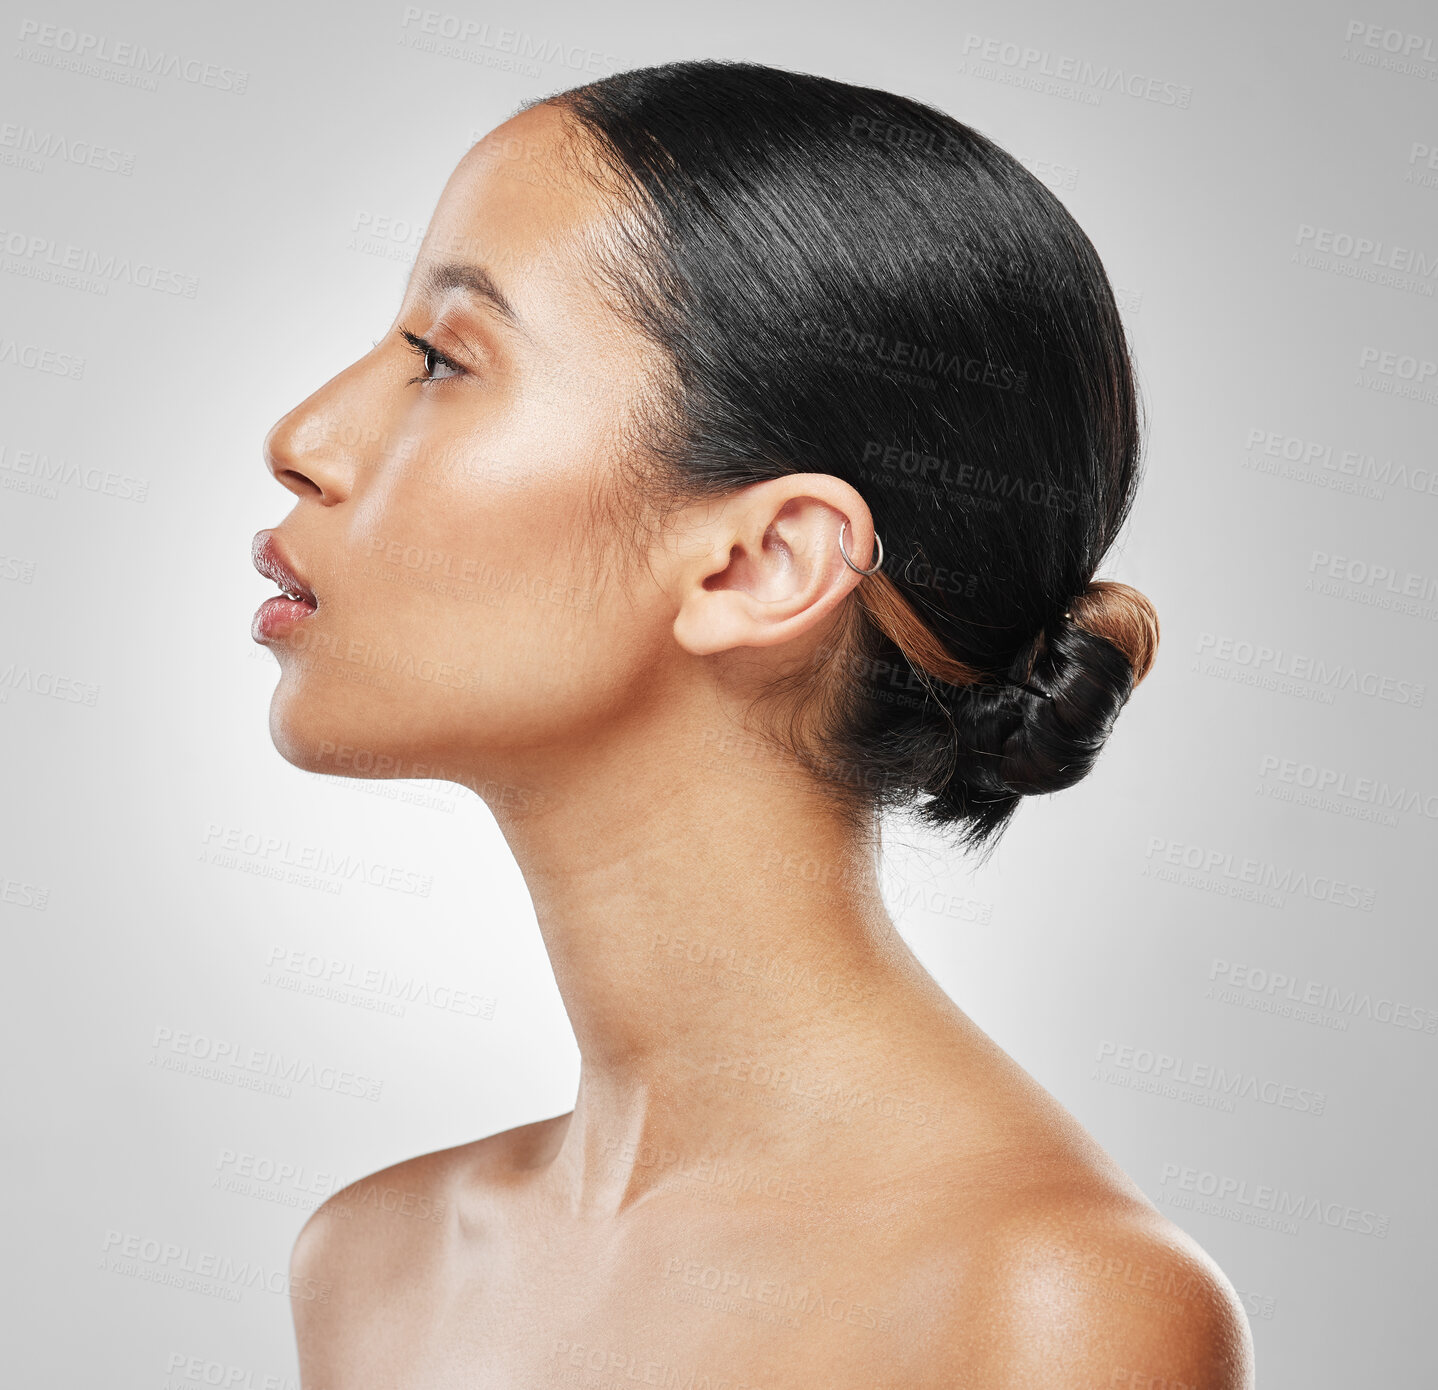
point(446, 518)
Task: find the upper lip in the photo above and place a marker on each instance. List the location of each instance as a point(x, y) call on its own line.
point(273, 563)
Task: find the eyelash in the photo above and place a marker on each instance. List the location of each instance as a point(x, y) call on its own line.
point(423, 348)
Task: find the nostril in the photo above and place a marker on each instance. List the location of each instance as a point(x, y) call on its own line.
point(297, 482)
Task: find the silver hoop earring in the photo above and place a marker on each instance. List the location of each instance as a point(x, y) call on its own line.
point(878, 546)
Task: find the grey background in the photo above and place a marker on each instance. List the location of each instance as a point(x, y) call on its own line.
point(1293, 398)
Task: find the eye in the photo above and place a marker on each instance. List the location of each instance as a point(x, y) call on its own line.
point(436, 365)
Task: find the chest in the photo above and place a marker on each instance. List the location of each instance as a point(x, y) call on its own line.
point(682, 1310)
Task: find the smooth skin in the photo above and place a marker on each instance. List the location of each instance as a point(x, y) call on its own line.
point(792, 1161)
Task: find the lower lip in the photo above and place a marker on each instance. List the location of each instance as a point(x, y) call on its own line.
point(276, 616)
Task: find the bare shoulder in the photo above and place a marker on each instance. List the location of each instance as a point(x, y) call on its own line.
point(373, 1243)
point(1079, 1285)
point(1057, 1268)
point(401, 1205)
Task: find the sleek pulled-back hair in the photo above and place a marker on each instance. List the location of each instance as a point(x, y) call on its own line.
point(851, 282)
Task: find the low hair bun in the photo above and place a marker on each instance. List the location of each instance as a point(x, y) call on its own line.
point(1122, 616)
point(1041, 727)
point(1076, 685)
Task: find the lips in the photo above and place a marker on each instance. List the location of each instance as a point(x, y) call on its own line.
point(271, 561)
point(290, 610)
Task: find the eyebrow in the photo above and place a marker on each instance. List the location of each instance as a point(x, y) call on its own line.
point(457, 275)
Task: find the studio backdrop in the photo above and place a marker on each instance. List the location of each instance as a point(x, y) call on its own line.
point(1217, 951)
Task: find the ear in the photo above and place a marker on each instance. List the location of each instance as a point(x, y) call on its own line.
point(762, 566)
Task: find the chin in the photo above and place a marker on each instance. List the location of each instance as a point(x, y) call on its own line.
point(317, 734)
point(297, 742)
point(346, 730)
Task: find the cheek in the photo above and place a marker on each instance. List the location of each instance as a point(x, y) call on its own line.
point(479, 569)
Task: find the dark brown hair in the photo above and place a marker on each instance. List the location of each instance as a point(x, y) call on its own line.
point(847, 281)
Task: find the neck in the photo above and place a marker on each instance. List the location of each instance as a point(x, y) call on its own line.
point(717, 932)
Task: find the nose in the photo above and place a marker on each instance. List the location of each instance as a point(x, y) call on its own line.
point(313, 451)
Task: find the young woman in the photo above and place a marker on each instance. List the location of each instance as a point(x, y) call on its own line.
point(737, 468)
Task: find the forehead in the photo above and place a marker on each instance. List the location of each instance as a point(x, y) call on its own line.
point(521, 206)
